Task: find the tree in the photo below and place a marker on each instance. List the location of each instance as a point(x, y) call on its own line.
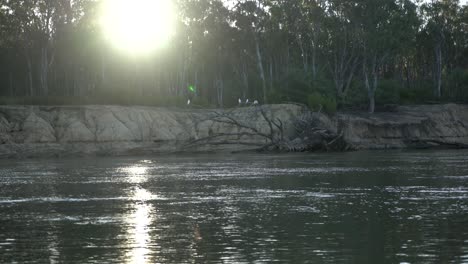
point(272, 50)
point(250, 18)
point(440, 27)
point(386, 27)
point(342, 48)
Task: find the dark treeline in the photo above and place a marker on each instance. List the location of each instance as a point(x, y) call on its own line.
point(345, 53)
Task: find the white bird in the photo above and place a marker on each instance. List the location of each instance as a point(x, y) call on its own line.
point(255, 102)
point(247, 101)
point(240, 101)
point(188, 102)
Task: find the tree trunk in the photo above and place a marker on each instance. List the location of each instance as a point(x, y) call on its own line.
point(10, 77)
point(344, 67)
point(438, 54)
point(271, 74)
point(374, 88)
point(245, 80)
point(260, 68)
point(196, 82)
point(314, 56)
point(303, 54)
point(371, 95)
point(30, 76)
point(103, 71)
point(314, 66)
point(218, 82)
point(76, 81)
point(286, 63)
point(43, 72)
point(184, 83)
point(371, 87)
point(66, 82)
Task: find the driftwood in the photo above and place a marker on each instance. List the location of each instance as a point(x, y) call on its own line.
point(314, 134)
point(273, 138)
point(310, 135)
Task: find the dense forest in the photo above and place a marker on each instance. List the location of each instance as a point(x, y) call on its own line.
point(352, 54)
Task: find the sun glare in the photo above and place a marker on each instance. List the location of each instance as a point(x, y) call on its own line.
point(138, 26)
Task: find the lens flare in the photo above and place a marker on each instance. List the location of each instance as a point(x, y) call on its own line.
point(138, 26)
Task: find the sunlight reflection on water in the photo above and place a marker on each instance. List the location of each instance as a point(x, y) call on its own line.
point(140, 218)
point(136, 174)
point(139, 237)
point(236, 209)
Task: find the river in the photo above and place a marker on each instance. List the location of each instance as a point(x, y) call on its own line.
point(356, 207)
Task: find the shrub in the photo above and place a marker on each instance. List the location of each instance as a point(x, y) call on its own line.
point(276, 97)
point(356, 97)
point(388, 92)
point(316, 101)
point(456, 85)
point(417, 95)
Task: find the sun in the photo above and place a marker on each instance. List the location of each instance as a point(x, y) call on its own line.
point(138, 26)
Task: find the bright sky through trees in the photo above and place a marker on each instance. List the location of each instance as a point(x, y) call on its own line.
point(138, 26)
point(334, 53)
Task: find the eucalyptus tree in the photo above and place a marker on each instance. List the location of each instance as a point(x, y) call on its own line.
point(341, 47)
point(238, 48)
point(317, 9)
point(440, 27)
point(16, 15)
point(313, 15)
point(385, 27)
point(35, 26)
point(43, 15)
point(250, 17)
point(6, 49)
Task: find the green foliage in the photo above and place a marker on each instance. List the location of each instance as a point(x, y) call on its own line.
point(457, 85)
point(317, 102)
point(356, 98)
point(308, 51)
point(418, 95)
point(388, 92)
point(277, 96)
point(323, 84)
point(295, 86)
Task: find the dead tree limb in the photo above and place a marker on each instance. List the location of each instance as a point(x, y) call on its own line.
point(273, 137)
point(312, 133)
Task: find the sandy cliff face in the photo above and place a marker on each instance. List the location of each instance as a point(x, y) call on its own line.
point(35, 131)
point(410, 126)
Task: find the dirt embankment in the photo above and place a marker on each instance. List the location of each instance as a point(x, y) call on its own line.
point(45, 131)
point(422, 126)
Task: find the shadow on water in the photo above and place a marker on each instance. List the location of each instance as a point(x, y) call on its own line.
point(361, 207)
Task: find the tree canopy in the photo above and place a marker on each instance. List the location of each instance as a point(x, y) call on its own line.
point(326, 53)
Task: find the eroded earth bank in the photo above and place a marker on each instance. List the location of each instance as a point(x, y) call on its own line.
point(51, 131)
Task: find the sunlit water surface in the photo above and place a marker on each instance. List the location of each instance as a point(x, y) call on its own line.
point(359, 207)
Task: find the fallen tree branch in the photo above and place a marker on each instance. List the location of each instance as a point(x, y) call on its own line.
point(311, 131)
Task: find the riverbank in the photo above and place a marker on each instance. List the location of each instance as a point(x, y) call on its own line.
point(55, 131)
point(421, 126)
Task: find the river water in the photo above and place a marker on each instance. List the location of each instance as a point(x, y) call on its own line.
point(357, 207)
